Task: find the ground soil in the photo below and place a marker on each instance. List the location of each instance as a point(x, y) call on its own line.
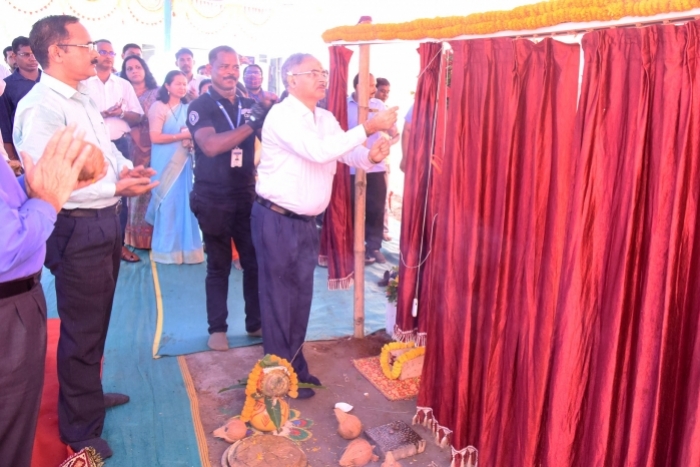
point(331, 361)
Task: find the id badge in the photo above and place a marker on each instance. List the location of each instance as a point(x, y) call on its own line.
point(236, 157)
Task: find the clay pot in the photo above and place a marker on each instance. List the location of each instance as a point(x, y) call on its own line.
point(260, 420)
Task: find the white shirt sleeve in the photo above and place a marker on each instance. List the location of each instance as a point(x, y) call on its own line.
point(298, 136)
point(131, 101)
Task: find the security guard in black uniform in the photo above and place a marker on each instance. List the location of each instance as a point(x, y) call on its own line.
point(224, 128)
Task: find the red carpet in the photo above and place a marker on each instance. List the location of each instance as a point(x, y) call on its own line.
point(49, 451)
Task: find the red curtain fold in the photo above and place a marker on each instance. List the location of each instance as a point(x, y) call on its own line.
point(416, 215)
point(336, 250)
point(496, 258)
point(564, 278)
point(626, 342)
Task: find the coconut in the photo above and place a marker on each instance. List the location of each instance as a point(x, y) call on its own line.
point(232, 431)
point(357, 454)
point(275, 383)
point(349, 426)
point(93, 165)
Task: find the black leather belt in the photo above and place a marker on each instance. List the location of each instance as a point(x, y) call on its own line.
point(280, 210)
point(18, 286)
point(103, 212)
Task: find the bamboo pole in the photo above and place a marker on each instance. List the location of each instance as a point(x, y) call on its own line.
point(360, 200)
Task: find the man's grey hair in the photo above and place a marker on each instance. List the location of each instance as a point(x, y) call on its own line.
point(291, 62)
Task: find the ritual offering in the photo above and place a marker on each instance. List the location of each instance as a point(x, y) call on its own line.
point(396, 438)
point(264, 451)
point(232, 431)
point(357, 454)
point(402, 360)
point(349, 426)
point(389, 461)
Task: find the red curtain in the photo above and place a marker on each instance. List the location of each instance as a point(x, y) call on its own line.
point(563, 326)
point(497, 253)
point(627, 353)
point(416, 216)
point(337, 233)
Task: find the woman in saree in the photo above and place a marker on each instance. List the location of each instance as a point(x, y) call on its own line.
point(136, 71)
point(176, 236)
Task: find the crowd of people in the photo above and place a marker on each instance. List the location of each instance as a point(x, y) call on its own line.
point(199, 160)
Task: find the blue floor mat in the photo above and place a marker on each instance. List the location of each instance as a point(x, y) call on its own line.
point(155, 428)
point(185, 317)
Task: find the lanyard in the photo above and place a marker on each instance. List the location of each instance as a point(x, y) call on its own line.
point(238, 122)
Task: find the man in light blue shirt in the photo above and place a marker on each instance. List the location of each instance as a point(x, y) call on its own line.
point(84, 250)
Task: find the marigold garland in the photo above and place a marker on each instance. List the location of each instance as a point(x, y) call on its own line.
point(526, 17)
point(254, 385)
point(394, 371)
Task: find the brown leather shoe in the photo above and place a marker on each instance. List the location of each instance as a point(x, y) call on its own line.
point(113, 399)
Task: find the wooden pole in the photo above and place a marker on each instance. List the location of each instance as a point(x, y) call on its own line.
point(360, 200)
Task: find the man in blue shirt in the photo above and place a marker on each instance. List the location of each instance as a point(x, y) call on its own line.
point(28, 208)
point(18, 84)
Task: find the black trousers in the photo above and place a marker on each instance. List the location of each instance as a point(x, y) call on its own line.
point(122, 145)
point(375, 205)
point(23, 353)
point(221, 221)
point(83, 253)
point(287, 251)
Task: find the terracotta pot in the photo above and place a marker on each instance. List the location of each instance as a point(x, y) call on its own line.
point(260, 420)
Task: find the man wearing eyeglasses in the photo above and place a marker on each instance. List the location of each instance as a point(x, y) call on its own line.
point(116, 99)
point(83, 251)
point(301, 145)
point(17, 86)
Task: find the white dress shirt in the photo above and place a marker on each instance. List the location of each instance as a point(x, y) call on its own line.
point(299, 153)
point(4, 72)
point(193, 85)
point(375, 106)
point(52, 104)
point(107, 94)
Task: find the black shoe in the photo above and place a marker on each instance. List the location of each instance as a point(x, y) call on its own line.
point(385, 280)
point(311, 379)
point(113, 399)
point(306, 393)
point(98, 444)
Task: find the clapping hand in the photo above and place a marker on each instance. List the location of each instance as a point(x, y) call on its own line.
point(114, 111)
point(140, 171)
point(54, 177)
point(131, 184)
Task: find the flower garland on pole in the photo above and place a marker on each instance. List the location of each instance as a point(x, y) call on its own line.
point(526, 17)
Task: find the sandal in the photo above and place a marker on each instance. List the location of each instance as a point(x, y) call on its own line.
point(129, 256)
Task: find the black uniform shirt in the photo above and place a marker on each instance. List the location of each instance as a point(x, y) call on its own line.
point(17, 86)
point(214, 176)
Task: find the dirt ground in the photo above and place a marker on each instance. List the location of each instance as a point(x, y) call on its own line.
point(331, 361)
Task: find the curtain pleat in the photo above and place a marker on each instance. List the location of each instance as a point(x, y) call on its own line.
point(336, 250)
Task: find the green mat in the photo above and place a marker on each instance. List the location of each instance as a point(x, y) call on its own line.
point(184, 328)
point(155, 428)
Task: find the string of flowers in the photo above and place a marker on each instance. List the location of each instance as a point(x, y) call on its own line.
point(526, 17)
point(253, 386)
point(393, 371)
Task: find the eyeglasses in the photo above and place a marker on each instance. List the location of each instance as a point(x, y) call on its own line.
point(90, 45)
point(315, 74)
point(26, 55)
point(104, 52)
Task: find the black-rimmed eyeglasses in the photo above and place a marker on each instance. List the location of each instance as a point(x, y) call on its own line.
point(90, 45)
point(315, 74)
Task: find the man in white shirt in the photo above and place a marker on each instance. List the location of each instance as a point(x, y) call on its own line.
point(184, 60)
point(300, 146)
point(84, 248)
point(120, 108)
